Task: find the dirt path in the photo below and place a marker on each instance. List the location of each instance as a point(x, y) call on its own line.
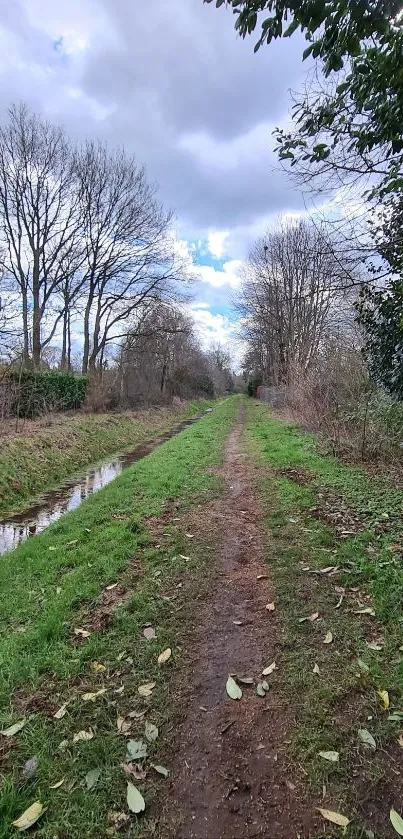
point(230, 777)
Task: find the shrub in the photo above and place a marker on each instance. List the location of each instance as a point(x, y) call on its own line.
point(38, 393)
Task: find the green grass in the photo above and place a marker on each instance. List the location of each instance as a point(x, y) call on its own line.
point(33, 463)
point(49, 586)
point(328, 709)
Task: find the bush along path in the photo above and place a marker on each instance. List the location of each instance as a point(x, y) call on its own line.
point(210, 647)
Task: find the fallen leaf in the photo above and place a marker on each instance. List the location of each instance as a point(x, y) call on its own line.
point(366, 738)
point(332, 756)
point(265, 686)
point(83, 735)
point(367, 611)
point(269, 669)
point(14, 729)
point(400, 740)
point(260, 690)
point(112, 586)
point(245, 680)
point(328, 638)
point(262, 577)
point(160, 769)
point(233, 690)
point(118, 820)
point(339, 602)
point(120, 690)
point(136, 715)
point(363, 665)
point(189, 535)
point(30, 767)
point(134, 770)
point(123, 725)
point(83, 633)
point(374, 646)
point(91, 697)
point(384, 697)
point(313, 617)
point(149, 633)
point(92, 777)
point(237, 623)
point(30, 816)
point(165, 656)
point(136, 749)
point(135, 800)
point(58, 589)
point(72, 542)
point(97, 667)
point(63, 745)
point(147, 689)
point(316, 669)
point(397, 822)
point(58, 715)
point(182, 556)
point(57, 784)
point(122, 655)
point(52, 548)
point(150, 731)
point(271, 607)
point(290, 785)
point(396, 716)
point(334, 818)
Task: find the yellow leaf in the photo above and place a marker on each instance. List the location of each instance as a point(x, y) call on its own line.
point(83, 633)
point(165, 656)
point(334, 818)
point(97, 667)
point(30, 816)
point(61, 712)
point(384, 697)
point(83, 735)
point(14, 729)
point(328, 638)
point(147, 689)
point(57, 785)
point(269, 669)
point(91, 697)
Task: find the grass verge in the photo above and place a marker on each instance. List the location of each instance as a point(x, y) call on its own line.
point(31, 464)
point(334, 544)
point(57, 583)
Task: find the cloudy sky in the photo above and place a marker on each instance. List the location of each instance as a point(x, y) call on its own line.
point(171, 81)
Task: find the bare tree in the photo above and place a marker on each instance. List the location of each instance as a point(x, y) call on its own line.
point(38, 221)
point(130, 258)
point(293, 288)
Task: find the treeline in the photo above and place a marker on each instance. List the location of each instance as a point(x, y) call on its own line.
point(85, 244)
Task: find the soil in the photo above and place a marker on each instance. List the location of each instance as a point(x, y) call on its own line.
point(231, 777)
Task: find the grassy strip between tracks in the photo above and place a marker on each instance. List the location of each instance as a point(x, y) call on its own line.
point(40, 460)
point(335, 545)
point(106, 569)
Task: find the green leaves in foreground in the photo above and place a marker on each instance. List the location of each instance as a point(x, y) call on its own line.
point(233, 690)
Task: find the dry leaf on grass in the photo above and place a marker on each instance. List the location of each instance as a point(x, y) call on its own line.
point(82, 633)
point(136, 750)
point(134, 770)
point(30, 816)
point(271, 607)
point(334, 818)
point(332, 756)
point(58, 715)
point(149, 633)
point(83, 735)
point(366, 738)
point(13, 729)
point(328, 638)
point(57, 784)
point(316, 669)
point(97, 667)
point(123, 726)
point(135, 800)
point(147, 689)
point(160, 769)
point(91, 697)
point(92, 777)
point(384, 697)
point(150, 731)
point(165, 656)
point(262, 577)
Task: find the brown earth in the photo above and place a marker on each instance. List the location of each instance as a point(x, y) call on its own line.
point(231, 777)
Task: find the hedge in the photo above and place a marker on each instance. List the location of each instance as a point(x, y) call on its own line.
point(38, 393)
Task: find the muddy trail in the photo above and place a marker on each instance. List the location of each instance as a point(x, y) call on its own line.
point(231, 777)
point(55, 503)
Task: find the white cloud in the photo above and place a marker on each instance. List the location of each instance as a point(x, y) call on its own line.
point(229, 275)
point(217, 240)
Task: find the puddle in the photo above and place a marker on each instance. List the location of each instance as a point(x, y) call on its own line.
point(54, 504)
